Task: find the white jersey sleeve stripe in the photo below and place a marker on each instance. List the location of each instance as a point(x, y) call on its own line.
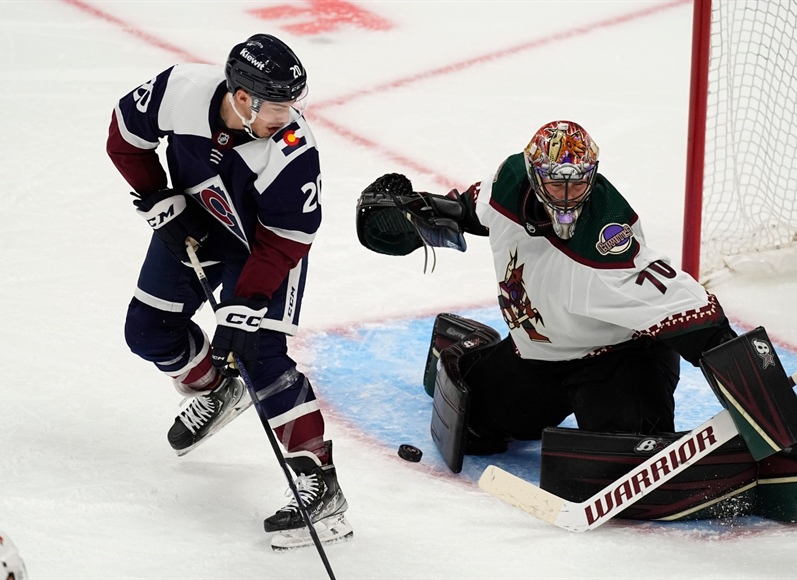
point(131, 138)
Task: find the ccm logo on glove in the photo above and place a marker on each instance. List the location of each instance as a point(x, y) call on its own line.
point(238, 319)
point(239, 314)
point(237, 323)
point(169, 214)
point(165, 211)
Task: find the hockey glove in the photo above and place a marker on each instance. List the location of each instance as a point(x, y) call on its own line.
point(454, 211)
point(387, 205)
point(381, 226)
point(173, 219)
point(237, 325)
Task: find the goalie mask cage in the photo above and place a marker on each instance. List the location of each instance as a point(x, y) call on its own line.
point(741, 178)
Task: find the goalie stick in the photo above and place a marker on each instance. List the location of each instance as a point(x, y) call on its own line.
point(614, 498)
point(607, 503)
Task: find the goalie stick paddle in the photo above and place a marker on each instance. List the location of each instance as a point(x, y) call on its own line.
point(607, 503)
point(200, 272)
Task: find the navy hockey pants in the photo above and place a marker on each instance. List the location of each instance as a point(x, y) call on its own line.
point(160, 328)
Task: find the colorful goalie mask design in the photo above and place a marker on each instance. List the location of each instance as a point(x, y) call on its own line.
point(564, 155)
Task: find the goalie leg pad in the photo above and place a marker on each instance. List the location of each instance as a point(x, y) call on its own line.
point(748, 379)
point(449, 329)
point(776, 495)
point(451, 407)
point(577, 464)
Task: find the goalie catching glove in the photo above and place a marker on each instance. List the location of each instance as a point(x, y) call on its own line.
point(395, 220)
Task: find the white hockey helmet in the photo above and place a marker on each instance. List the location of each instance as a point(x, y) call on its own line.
point(11, 565)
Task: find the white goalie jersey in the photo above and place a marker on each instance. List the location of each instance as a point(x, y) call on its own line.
point(569, 299)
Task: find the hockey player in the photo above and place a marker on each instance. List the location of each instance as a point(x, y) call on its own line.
point(596, 319)
point(245, 186)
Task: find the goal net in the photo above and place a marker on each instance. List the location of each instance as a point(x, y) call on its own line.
point(748, 85)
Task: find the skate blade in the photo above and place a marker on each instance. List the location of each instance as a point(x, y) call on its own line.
point(333, 530)
point(216, 427)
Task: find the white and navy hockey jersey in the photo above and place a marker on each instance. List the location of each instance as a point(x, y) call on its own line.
point(568, 299)
point(263, 194)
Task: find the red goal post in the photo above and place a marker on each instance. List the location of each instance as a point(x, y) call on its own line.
point(740, 212)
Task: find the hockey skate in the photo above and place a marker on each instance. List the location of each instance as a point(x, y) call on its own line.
point(206, 414)
point(322, 498)
point(329, 530)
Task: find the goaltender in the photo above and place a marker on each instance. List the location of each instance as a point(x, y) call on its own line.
point(597, 320)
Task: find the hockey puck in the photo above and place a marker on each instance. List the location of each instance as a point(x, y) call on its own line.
point(410, 453)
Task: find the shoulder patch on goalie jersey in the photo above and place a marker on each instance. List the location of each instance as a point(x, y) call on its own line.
point(604, 237)
point(614, 239)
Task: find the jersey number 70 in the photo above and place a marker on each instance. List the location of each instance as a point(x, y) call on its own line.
point(650, 274)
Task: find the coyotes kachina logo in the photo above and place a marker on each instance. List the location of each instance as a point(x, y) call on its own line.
point(515, 304)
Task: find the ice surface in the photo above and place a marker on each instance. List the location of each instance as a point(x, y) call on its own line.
point(89, 487)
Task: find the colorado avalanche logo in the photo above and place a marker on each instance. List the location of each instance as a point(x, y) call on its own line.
point(614, 239)
point(514, 302)
point(214, 198)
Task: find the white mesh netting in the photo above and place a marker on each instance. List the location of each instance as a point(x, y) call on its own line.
point(750, 177)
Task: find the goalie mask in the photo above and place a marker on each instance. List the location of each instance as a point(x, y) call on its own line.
point(562, 162)
point(11, 565)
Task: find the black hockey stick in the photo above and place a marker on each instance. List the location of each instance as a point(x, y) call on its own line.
point(200, 272)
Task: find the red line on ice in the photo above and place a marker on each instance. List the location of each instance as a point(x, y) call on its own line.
point(353, 136)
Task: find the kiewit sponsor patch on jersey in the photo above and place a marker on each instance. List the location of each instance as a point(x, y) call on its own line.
point(290, 140)
point(614, 239)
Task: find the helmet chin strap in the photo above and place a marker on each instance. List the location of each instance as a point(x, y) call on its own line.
point(247, 123)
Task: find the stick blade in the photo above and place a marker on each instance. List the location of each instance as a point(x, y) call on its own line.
point(521, 494)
